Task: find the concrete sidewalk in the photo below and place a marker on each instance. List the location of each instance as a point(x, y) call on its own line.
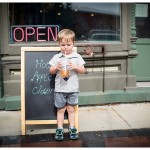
point(93, 118)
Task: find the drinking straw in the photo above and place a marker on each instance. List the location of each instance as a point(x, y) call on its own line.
point(65, 60)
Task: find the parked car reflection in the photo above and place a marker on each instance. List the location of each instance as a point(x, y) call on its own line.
point(103, 35)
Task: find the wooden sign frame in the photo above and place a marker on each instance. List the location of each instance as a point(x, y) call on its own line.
point(25, 122)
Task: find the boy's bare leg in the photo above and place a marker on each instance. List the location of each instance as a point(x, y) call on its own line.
point(71, 115)
point(60, 117)
point(60, 120)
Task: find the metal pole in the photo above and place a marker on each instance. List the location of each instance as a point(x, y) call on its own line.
point(103, 53)
point(1, 78)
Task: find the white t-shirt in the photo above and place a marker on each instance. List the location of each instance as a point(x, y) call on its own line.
point(70, 85)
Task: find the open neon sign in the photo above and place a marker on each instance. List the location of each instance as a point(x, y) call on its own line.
point(34, 33)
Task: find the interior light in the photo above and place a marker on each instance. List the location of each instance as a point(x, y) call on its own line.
point(92, 15)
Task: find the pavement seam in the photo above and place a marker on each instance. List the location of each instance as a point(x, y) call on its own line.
point(121, 117)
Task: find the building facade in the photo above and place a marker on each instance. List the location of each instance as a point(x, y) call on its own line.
point(109, 29)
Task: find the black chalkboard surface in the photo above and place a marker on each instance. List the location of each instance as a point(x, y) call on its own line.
point(39, 86)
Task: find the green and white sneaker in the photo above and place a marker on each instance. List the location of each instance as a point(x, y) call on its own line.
point(73, 133)
point(59, 136)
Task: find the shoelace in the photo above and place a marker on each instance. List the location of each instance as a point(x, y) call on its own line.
point(73, 131)
point(59, 131)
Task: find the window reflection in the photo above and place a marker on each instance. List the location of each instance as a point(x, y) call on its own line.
point(90, 21)
point(143, 21)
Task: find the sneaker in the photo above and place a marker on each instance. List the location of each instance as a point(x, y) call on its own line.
point(59, 134)
point(73, 133)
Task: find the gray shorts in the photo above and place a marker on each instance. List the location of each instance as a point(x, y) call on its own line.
point(62, 99)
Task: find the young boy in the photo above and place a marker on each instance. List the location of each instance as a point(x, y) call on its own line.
point(66, 81)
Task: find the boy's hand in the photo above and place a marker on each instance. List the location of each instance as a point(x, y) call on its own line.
point(72, 66)
point(59, 65)
point(78, 69)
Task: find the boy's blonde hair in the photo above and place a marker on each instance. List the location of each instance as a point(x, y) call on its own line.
point(66, 34)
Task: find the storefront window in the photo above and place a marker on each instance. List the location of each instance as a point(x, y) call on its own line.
point(90, 21)
point(143, 20)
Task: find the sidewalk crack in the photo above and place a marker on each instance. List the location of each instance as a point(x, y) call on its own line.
point(121, 117)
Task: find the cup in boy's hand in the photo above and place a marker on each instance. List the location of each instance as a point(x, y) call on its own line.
point(64, 71)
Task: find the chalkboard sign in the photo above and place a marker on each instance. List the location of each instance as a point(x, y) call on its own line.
point(37, 86)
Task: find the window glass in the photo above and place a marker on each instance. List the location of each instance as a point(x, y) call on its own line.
point(90, 21)
point(143, 20)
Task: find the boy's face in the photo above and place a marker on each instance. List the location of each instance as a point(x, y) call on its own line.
point(66, 46)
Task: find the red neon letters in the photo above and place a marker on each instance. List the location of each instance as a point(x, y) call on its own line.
point(38, 34)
